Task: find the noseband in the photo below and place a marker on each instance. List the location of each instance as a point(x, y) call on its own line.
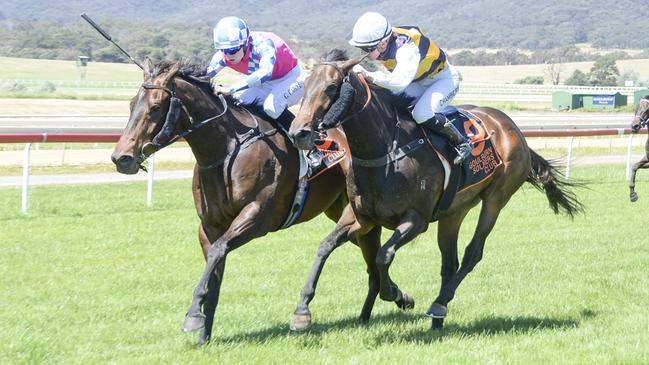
point(164, 138)
point(345, 80)
point(643, 122)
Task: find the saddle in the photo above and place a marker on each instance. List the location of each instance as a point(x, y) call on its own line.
point(479, 166)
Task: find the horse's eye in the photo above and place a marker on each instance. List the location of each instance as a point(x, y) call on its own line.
point(154, 108)
point(331, 91)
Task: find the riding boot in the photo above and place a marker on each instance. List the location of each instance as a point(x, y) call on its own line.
point(314, 158)
point(440, 125)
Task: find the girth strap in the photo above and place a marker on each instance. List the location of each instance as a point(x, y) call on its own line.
point(394, 155)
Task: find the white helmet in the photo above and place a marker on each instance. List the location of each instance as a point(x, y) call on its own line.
point(230, 32)
point(370, 29)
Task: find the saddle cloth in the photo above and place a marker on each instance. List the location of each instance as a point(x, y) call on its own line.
point(477, 167)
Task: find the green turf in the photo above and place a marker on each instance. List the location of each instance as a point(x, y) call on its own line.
point(93, 276)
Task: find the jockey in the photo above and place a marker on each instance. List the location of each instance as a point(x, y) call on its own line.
point(417, 67)
point(274, 77)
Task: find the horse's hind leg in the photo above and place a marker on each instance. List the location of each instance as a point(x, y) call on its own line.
point(345, 229)
point(642, 164)
point(447, 234)
point(472, 255)
point(410, 226)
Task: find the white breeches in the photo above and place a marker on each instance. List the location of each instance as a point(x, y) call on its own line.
point(276, 95)
point(434, 94)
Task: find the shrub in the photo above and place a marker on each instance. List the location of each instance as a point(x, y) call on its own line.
point(532, 80)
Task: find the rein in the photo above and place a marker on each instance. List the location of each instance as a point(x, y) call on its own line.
point(395, 153)
point(248, 138)
point(194, 127)
point(643, 122)
point(345, 79)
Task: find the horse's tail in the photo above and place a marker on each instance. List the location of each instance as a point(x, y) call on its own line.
point(545, 177)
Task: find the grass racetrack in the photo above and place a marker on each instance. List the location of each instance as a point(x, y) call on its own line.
point(93, 276)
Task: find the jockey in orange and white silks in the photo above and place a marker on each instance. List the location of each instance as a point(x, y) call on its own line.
point(274, 79)
point(416, 67)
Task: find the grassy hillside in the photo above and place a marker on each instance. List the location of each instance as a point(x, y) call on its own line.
point(478, 23)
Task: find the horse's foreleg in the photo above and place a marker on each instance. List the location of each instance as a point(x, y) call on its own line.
point(213, 287)
point(209, 308)
point(410, 226)
point(472, 255)
point(642, 164)
point(243, 228)
point(346, 227)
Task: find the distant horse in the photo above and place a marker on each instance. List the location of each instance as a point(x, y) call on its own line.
point(246, 172)
point(640, 120)
point(388, 186)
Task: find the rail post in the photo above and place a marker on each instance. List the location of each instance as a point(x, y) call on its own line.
point(569, 157)
point(628, 157)
point(149, 187)
point(25, 184)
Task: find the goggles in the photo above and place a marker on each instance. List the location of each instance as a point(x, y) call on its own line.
point(231, 51)
point(368, 49)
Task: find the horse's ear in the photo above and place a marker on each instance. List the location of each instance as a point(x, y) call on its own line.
point(148, 68)
point(173, 71)
point(345, 67)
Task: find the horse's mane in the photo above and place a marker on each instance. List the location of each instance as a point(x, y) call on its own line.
point(194, 73)
point(335, 54)
point(401, 100)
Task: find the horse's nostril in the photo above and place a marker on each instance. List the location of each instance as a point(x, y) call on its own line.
point(303, 134)
point(122, 160)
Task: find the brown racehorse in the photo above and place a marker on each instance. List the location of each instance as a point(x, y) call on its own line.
point(402, 196)
point(640, 120)
point(245, 176)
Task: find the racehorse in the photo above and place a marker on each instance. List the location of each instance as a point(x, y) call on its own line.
point(245, 177)
point(399, 188)
point(641, 119)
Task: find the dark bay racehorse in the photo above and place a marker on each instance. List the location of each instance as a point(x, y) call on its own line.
point(402, 196)
point(640, 120)
point(245, 176)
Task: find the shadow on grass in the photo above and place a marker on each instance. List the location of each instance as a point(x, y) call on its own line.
point(491, 326)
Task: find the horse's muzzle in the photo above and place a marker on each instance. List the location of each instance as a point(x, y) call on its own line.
point(303, 139)
point(126, 164)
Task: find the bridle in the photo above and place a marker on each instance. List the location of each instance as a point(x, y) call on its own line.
point(321, 127)
point(164, 138)
point(643, 122)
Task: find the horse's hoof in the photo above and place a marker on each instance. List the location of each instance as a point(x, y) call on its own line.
point(437, 311)
point(634, 197)
point(300, 322)
point(193, 322)
point(363, 320)
point(405, 302)
point(438, 324)
point(202, 341)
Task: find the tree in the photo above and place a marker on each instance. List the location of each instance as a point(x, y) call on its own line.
point(553, 72)
point(604, 71)
point(578, 78)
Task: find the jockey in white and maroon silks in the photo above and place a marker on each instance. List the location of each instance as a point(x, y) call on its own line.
point(275, 80)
